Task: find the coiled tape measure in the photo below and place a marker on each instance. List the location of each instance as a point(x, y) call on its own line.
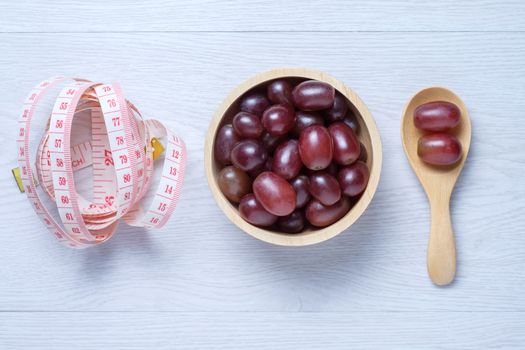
point(122, 150)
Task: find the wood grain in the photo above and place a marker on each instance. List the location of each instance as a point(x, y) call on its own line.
point(261, 330)
point(201, 282)
point(202, 262)
point(260, 15)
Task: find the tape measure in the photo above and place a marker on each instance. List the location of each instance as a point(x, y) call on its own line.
point(121, 151)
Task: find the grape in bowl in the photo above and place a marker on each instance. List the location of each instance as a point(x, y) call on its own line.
point(314, 127)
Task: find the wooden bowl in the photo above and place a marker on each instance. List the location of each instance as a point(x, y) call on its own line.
point(368, 135)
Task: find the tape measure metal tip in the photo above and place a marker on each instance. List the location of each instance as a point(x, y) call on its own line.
point(18, 179)
point(158, 148)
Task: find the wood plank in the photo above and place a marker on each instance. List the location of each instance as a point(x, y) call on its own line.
point(209, 330)
point(261, 15)
point(200, 262)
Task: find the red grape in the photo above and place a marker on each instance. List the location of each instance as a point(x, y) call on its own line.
point(288, 167)
point(332, 169)
point(278, 119)
point(275, 194)
point(437, 116)
point(338, 110)
point(254, 103)
point(351, 121)
point(353, 178)
point(270, 142)
point(313, 95)
point(304, 120)
point(268, 164)
point(247, 125)
point(363, 156)
point(439, 149)
point(225, 140)
point(286, 160)
point(249, 155)
point(300, 185)
point(280, 92)
point(315, 147)
point(324, 187)
point(253, 212)
point(255, 172)
point(234, 183)
point(321, 215)
point(346, 144)
point(292, 223)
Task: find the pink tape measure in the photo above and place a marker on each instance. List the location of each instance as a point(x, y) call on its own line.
point(121, 149)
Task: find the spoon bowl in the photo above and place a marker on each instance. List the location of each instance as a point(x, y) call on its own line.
point(437, 181)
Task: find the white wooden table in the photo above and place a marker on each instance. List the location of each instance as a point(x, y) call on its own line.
point(201, 283)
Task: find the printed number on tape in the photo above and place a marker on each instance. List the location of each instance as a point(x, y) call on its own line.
point(121, 152)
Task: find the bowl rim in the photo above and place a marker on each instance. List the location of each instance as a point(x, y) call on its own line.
point(321, 234)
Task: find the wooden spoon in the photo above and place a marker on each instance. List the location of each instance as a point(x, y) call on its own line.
point(438, 182)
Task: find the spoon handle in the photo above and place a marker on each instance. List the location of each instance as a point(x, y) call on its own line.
point(441, 256)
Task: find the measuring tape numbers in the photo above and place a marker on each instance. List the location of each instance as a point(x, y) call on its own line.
point(121, 151)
